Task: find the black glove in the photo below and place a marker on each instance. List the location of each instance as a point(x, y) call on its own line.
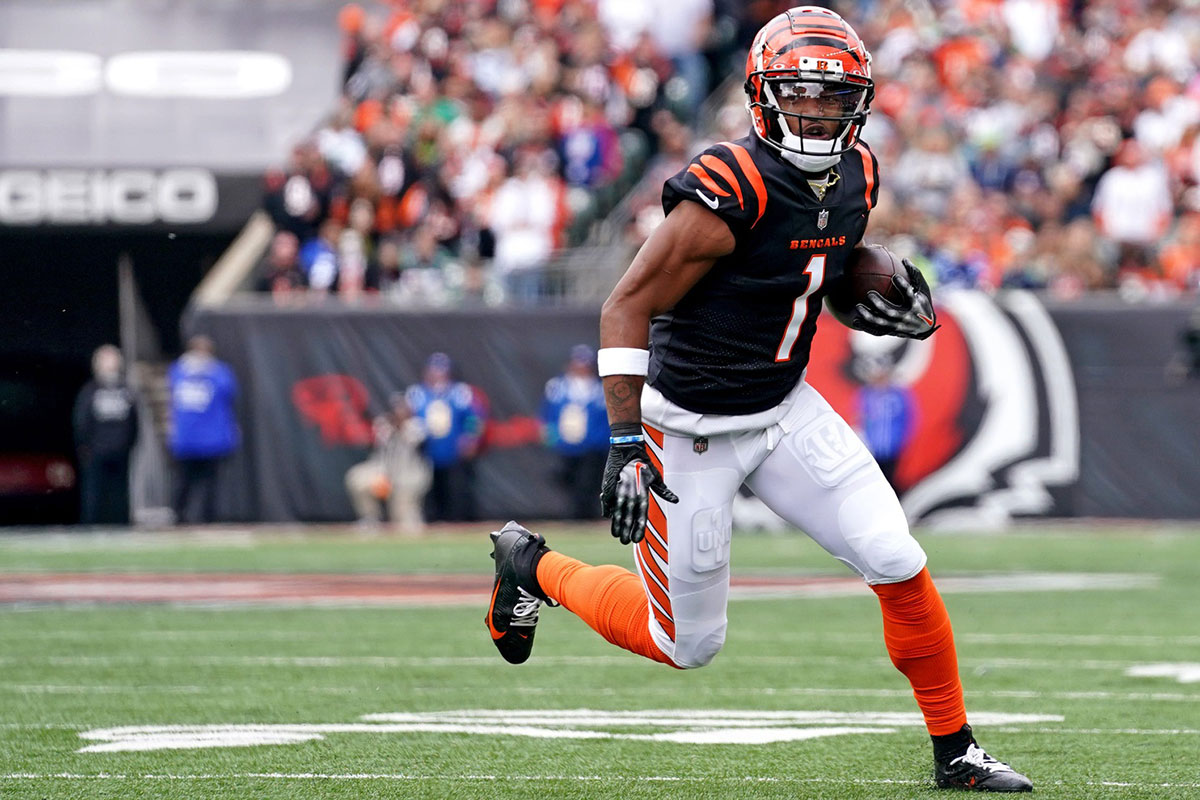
point(882, 318)
point(629, 477)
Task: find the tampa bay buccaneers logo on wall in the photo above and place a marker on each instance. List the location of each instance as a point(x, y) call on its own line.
point(996, 429)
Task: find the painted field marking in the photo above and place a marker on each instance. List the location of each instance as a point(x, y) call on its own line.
point(1003, 583)
point(686, 726)
point(541, 691)
point(83, 688)
point(1035, 639)
point(1103, 731)
point(1187, 672)
point(323, 776)
point(832, 691)
point(216, 590)
point(333, 662)
point(136, 541)
point(179, 634)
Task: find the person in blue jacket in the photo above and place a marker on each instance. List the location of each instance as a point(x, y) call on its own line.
point(453, 424)
point(886, 418)
point(575, 425)
point(204, 429)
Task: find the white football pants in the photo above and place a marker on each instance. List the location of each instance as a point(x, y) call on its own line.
point(803, 461)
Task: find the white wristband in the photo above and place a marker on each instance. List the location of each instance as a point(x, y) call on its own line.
point(622, 361)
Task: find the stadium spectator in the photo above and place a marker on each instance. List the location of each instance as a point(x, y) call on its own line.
point(575, 426)
point(424, 268)
point(453, 426)
point(588, 143)
point(319, 257)
point(1132, 207)
point(526, 215)
point(204, 429)
point(386, 266)
point(886, 417)
point(106, 429)
point(298, 199)
point(1180, 256)
point(474, 447)
point(279, 271)
point(396, 472)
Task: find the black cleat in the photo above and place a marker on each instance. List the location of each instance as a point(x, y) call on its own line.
point(976, 771)
point(512, 615)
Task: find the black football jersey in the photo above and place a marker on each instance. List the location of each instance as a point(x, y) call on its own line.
point(739, 340)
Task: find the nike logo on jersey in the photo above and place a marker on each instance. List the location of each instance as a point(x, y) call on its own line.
point(711, 202)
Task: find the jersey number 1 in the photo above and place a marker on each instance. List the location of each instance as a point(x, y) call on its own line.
point(816, 276)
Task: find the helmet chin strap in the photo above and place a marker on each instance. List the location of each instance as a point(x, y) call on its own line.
point(809, 163)
point(808, 160)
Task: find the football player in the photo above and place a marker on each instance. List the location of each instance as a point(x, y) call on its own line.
point(704, 346)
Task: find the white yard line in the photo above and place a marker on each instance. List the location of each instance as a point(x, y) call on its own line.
point(787, 691)
point(488, 661)
point(1102, 731)
point(39, 688)
point(321, 776)
point(182, 635)
point(1035, 639)
point(248, 590)
point(839, 691)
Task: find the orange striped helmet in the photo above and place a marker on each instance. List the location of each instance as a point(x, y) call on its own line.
point(808, 79)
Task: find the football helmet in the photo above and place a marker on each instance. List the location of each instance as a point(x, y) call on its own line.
point(809, 87)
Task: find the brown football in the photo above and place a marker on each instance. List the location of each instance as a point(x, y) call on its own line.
point(869, 268)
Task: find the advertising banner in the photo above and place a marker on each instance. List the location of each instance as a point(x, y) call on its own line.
point(1019, 409)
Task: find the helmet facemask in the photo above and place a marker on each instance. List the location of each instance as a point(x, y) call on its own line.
point(813, 112)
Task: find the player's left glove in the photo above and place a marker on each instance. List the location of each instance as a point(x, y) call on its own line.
point(629, 477)
point(882, 318)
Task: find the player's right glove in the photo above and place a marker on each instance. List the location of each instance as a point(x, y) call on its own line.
point(880, 317)
point(629, 477)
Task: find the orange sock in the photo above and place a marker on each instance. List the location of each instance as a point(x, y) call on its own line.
point(917, 632)
point(608, 598)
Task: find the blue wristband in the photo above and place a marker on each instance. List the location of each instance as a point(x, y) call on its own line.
point(625, 439)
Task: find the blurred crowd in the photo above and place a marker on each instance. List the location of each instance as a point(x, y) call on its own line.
point(475, 138)
point(1035, 143)
point(1022, 143)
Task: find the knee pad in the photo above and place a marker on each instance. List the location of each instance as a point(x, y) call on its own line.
point(877, 530)
point(699, 648)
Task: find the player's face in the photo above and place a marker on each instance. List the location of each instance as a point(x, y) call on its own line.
point(815, 110)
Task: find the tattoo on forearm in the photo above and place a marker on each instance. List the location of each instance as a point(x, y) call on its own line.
point(623, 395)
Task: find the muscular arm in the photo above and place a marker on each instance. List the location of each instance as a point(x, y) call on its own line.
point(677, 255)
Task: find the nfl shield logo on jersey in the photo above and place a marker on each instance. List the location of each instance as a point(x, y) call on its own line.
point(700, 444)
point(822, 219)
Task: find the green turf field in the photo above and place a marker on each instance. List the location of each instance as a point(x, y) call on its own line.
point(358, 700)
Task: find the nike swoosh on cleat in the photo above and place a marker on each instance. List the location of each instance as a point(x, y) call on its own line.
point(491, 609)
point(711, 202)
point(925, 319)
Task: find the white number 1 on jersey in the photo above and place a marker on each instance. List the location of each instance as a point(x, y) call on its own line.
point(816, 276)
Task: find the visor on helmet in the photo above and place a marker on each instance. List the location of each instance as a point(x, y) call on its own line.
point(817, 109)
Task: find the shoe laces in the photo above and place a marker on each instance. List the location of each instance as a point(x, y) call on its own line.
point(976, 757)
point(525, 610)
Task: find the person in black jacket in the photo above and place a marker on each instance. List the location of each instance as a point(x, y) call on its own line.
point(106, 425)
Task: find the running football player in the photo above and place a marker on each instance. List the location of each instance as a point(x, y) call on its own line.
point(704, 343)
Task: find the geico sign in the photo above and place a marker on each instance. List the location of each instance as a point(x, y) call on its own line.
point(122, 196)
point(213, 74)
